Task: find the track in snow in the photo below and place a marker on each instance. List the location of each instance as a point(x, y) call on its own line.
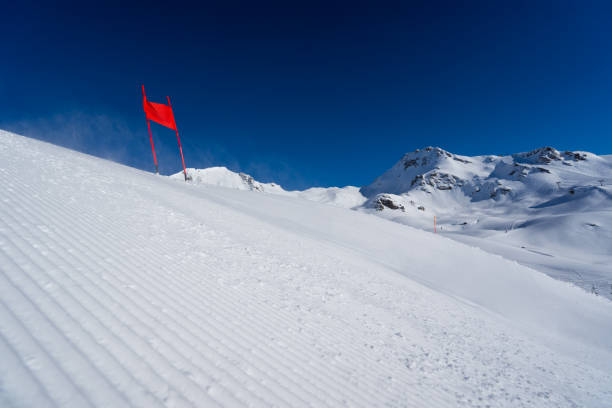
point(120, 288)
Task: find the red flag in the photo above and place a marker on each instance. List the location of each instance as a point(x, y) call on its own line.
point(158, 112)
point(163, 115)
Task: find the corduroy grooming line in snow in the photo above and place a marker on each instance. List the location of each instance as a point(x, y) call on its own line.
point(162, 114)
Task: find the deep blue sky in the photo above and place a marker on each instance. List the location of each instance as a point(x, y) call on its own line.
point(309, 93)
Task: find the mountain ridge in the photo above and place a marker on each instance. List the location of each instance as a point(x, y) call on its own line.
point(495, 198)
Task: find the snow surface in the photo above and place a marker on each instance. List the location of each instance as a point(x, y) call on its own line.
point(546, 209)
point(221, 176)
point(346, 197)
point(122, 288)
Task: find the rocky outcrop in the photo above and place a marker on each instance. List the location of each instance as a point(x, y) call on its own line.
point(547, 155)
point(386, 201)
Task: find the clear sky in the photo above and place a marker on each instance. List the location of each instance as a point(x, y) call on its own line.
point(312, 93)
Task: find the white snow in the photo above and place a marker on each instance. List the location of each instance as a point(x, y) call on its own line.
point(221, 176)
point(546, 209)
point(122, 288)
point(346, 197)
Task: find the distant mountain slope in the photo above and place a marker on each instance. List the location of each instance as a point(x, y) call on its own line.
point(528, 177)
point(548, 209)
point(122, 288)
point(221, 176)
point(347, 197)
point(426, 169)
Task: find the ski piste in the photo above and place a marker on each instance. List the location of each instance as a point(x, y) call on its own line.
point(122, 288)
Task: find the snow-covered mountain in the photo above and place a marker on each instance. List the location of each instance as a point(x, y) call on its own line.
point(346, 197)
point(524, 179)
point(126, 289)
point(425, 169)
point(221, 176)
point(547, 209)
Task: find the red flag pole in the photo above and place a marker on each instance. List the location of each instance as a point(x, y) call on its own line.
point(179, 141)
point(150, 136)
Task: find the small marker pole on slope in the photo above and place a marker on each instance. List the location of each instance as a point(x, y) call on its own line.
point(150, 136)
point(179, 143)
point(434, 224)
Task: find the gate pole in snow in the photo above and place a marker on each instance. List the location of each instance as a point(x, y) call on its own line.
point(434, 224)
point(152, 147)
point(179, 143)
point(150, 136)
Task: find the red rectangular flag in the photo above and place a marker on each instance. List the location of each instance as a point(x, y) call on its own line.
point(158, 112)
point(162, 114)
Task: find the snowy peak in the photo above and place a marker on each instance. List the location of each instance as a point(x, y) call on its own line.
point(429, 157)
point(482, 177)
point(433, 177)
point(428, 169)
point(346, 197)
point(547, 155)
point(223, 177)
point(545, 207)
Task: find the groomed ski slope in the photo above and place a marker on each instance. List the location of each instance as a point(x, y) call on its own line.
point(122, 288)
